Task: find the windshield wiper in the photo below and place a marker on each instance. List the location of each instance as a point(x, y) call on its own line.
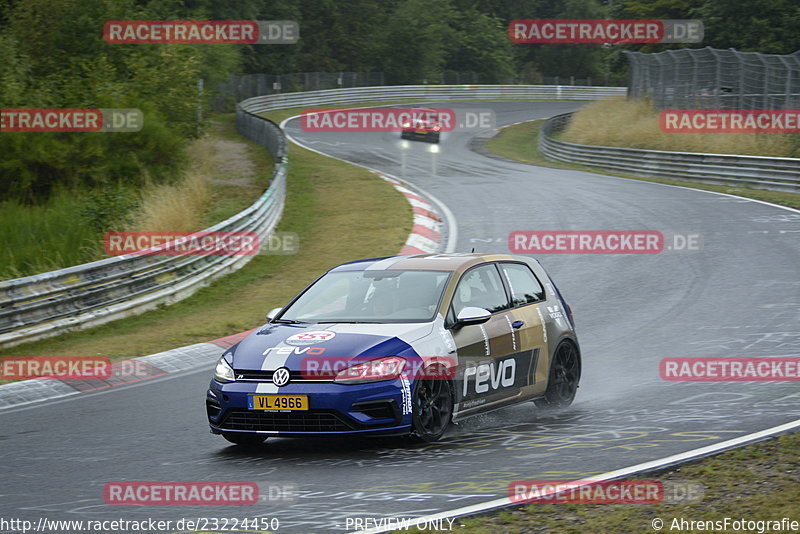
point(288, 321)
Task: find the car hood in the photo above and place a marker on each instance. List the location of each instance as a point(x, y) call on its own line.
point(288, 345)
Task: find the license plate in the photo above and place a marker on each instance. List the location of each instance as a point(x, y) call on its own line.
point(277, 402)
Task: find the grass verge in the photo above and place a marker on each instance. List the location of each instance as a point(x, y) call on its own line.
point(45, 237)
point(635, 124)
point(520, 143)
point(339, 212)
point(757, 482)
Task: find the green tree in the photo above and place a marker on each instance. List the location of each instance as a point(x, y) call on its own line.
point(480, 45)
point(767, 26)
point(417, 41)
point(54, 56)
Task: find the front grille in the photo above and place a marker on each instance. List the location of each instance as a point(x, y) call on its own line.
point(266, 376)
point(310, 421)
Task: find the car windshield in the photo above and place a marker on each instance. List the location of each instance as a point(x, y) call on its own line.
point(390, 296)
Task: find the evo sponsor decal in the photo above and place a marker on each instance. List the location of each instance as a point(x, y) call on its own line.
point(310, 338)
point(493, 376)
point(308, 351)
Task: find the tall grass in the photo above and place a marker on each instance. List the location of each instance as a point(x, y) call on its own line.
point(41, 238)
point(173, 208)
point(634, 124)
point(179, 207)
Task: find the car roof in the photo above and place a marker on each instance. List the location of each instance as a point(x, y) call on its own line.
point(423, 262)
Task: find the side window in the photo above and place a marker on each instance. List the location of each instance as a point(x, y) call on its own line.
point(481, 287)
point(524, 286)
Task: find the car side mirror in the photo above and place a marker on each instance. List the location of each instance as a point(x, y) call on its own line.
point(273, 313)
point(472, 315)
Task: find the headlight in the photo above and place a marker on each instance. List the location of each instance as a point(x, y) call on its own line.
point(224, 372)
point(387, 368)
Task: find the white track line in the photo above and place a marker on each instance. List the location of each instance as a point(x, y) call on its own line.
point(611, 475)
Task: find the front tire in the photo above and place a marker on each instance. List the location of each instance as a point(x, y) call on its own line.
point(565, 373)
point(432, 407)
point(245, 440)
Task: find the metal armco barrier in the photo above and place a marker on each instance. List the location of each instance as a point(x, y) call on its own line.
point(757, 172)
point(86, 295)
point(429, 93)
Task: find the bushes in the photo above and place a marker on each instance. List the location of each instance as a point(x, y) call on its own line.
point(54, 57)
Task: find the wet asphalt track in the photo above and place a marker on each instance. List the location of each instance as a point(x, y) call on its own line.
point(738, 296)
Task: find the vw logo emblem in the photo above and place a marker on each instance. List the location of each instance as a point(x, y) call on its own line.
point(280, 377)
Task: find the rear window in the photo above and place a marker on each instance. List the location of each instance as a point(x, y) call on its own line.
point(525, 288)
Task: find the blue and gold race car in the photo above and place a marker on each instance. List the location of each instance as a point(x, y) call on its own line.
point(399, 346)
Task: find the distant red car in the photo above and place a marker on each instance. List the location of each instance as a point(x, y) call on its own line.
point(422, 126)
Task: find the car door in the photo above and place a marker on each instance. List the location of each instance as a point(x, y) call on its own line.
point(528, 318)
point(486, 370)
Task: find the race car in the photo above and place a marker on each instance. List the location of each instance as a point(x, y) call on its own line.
point(400, 346)
point(422, 124)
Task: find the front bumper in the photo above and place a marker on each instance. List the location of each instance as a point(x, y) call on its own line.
point(379, 408)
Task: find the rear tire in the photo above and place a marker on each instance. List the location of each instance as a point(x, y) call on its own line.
point(565, 373)
point(245, 440)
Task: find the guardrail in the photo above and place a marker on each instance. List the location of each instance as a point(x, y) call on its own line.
point(758, 172)
point(429, 93)
point(86, 295)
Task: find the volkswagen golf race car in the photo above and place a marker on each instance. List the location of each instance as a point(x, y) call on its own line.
point(399, 346)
